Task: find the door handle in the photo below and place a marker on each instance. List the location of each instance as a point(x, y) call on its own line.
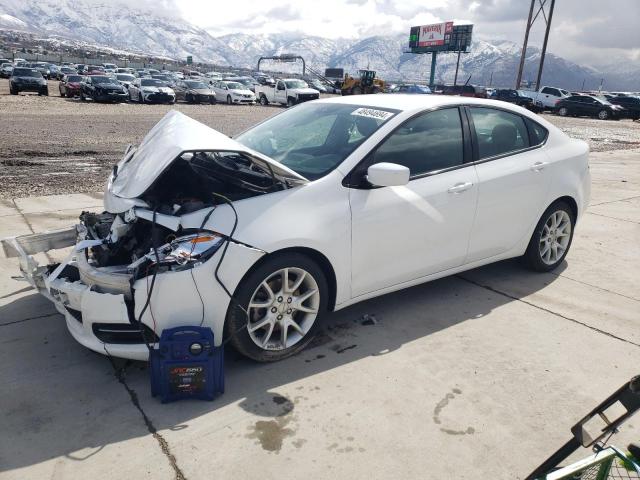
point(536, 167)
point(460, 187)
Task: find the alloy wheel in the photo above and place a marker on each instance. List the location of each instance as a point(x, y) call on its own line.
point(555, 237)
point(283, 308)
point(603, 114)
point(563, 112)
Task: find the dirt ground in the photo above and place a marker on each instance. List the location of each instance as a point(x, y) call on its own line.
point(52, 145)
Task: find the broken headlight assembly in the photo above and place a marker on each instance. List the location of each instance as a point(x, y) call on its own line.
point(182, 252)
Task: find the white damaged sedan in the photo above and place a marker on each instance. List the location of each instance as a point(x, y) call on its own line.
point(324, 205)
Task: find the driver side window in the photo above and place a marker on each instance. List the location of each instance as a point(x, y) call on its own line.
point(427, 143)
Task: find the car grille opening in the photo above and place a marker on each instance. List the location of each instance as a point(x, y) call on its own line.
point(123, 333)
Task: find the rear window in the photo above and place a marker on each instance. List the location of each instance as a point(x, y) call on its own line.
point(498, 132)
point(537, 133)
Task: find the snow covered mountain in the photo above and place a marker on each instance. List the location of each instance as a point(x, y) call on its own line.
point(120, 25)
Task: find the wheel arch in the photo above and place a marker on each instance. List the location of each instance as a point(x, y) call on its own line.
point(570, 201)
point(318, 257)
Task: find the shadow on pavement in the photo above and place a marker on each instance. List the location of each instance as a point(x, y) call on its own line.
point(57, 398)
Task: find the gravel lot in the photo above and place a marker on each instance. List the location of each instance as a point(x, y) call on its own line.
point(50, 145)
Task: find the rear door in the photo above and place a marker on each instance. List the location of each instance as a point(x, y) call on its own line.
point(513, 177)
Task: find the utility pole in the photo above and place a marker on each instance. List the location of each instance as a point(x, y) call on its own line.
point(544, 44)
point(524, 45)
point(432, 77)
point(455, 79)
point(530, 21)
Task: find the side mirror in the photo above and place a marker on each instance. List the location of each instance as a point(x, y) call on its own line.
point(388, 175)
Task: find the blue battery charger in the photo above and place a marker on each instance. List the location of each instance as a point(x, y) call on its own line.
point(186, 364)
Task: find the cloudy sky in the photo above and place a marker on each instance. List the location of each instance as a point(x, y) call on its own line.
point(592, 32)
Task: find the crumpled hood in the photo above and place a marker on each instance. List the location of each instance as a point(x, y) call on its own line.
point(166, 141)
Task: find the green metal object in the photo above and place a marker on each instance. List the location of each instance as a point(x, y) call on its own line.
point(189, 60)
point(432, 76)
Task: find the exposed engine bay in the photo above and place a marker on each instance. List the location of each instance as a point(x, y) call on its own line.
point(193, 182)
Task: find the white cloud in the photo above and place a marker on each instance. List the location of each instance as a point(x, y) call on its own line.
point(589, 31)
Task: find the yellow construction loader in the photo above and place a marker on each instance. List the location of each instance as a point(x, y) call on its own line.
point(367, 83)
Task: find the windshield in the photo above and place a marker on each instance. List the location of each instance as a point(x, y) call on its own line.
point(295, 84)
point(125, 78)
point(314, 138)
point(26, 72)
point(235, 86)
point(196, 85)
point(74, 78)
point(152, 82)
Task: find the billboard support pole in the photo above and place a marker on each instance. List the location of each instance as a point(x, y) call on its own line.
point(544, 44)
point(455, 78)
point(524, 45)
point(432, 76)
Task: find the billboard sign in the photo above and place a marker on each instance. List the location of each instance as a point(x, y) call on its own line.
point(440, 37)
point(434, 35)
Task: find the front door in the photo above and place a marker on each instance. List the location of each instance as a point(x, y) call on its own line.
point(403, 233)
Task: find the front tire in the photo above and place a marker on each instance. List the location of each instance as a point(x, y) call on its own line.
point(284, 300)
point(603, 115)
point(263, 100)
point(551, 238)
point(290, 102)
point(229, 101)
point(563, 111)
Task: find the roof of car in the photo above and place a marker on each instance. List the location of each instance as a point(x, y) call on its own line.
point(407, 102)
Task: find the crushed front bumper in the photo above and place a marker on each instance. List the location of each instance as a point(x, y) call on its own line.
point(102, 305)
point(86, 296)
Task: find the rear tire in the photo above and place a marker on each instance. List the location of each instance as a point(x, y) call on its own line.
point(551, 238)
point(250, 289)
point(82, 97)
point(563, 111)
point(61, 93)
point(356, 91)
point(13, 91)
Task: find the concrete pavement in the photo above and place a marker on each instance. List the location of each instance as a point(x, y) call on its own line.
point(474, 376)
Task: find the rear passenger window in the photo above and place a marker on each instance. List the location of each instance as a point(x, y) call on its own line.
point(498, 132)
point(537, 133)
point(424, 144)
